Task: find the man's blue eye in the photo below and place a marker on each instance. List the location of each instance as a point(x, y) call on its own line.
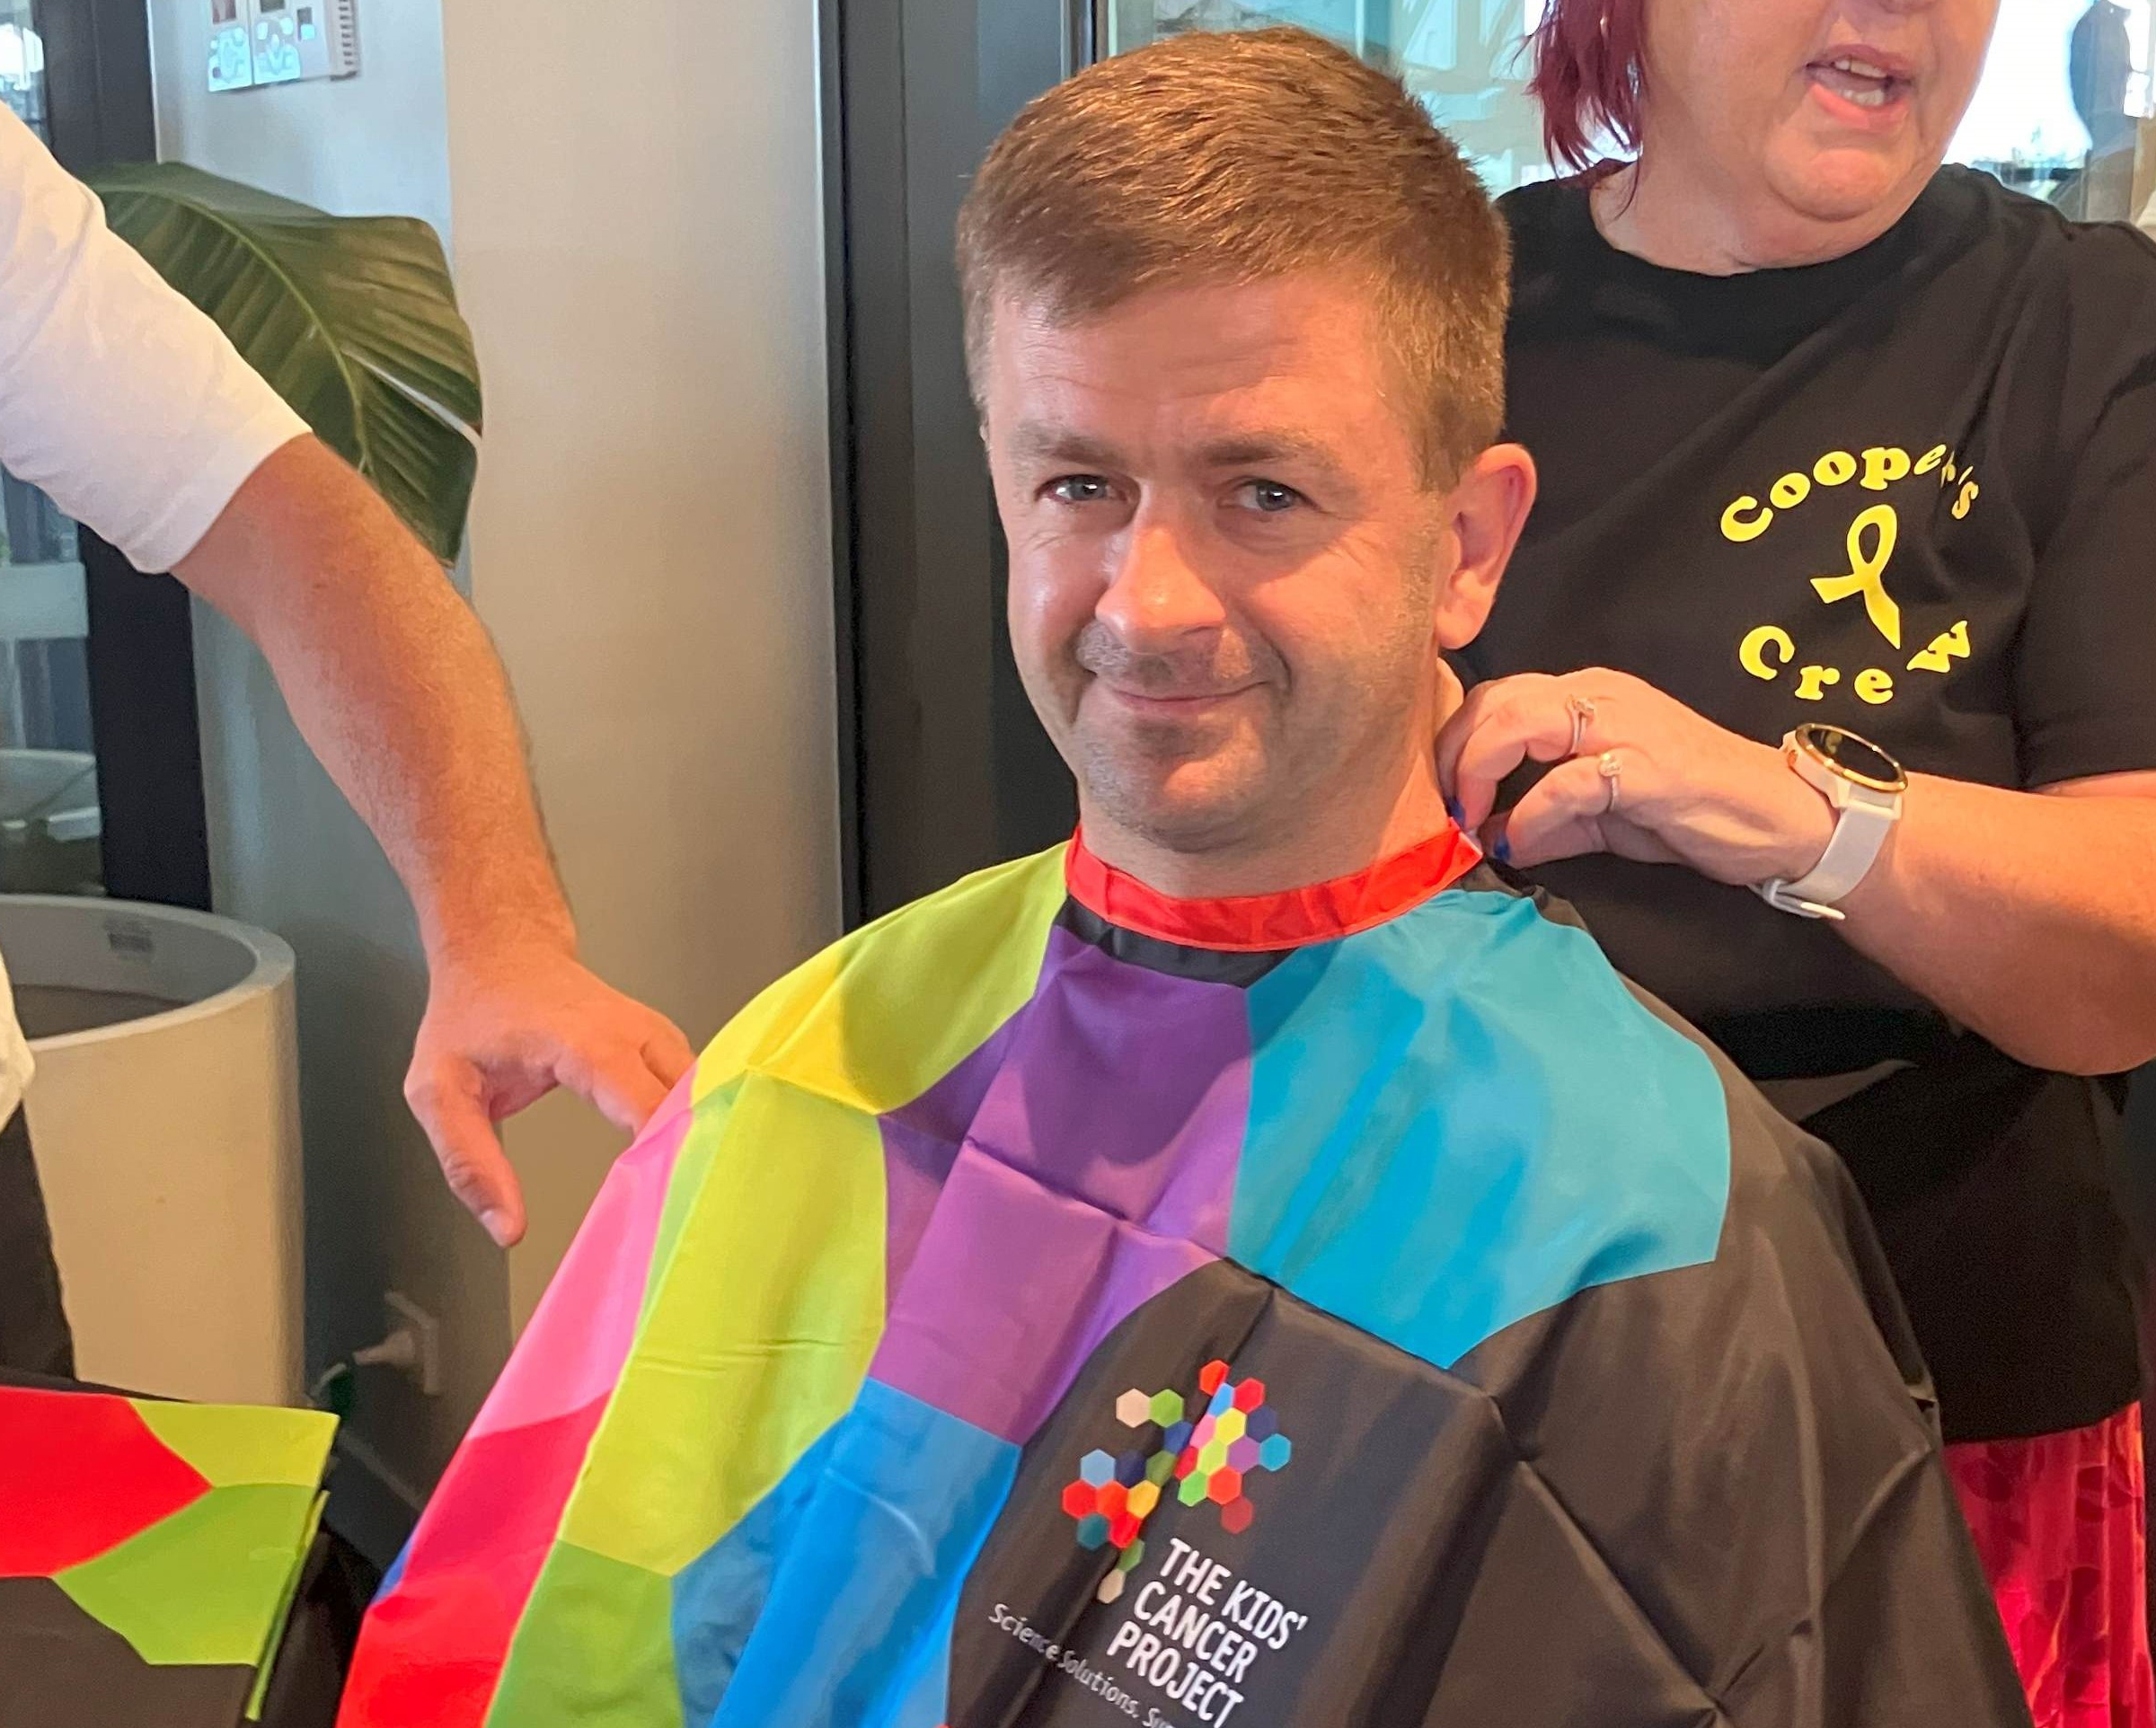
point(1270, 497)
point(1079, 489)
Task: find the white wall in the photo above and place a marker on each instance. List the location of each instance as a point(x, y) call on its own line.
point(638, 247)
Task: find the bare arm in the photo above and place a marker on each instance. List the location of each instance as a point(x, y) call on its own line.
point(2028, 916)
point(395, 686)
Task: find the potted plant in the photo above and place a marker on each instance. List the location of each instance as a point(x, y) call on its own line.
point(353, 321)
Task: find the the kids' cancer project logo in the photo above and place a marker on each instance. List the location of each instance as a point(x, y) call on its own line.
point(1210, 1458)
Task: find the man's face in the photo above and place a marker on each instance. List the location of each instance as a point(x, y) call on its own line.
point(1229, 577)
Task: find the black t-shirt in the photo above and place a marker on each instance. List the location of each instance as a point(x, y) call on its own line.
point(1913, 492)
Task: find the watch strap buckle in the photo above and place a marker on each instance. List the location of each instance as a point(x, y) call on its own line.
point(1777, 894)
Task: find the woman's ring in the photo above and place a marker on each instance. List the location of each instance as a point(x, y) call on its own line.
point(1609, 767)
point(1582, 713)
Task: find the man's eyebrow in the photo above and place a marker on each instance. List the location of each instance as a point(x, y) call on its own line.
point(1259, 449)
point(1034, 440)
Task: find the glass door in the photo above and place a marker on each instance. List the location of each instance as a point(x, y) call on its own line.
point(50, 821)
point(101, 769)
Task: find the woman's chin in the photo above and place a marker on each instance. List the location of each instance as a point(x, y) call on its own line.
point(1844, 184)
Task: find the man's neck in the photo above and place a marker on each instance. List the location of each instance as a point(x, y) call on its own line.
point(1332, 843)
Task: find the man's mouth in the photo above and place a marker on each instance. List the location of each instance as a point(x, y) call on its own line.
point(1169, 703)
point(1862, 79)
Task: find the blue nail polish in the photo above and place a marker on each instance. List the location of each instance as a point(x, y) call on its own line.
point(1501, 850)
point(1453, 809)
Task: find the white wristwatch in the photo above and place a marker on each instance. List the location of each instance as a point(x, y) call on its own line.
point(1865, 786)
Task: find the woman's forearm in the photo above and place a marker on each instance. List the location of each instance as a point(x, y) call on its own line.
point(2028, 917)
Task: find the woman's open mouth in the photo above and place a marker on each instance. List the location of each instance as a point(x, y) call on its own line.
point(1864, 82)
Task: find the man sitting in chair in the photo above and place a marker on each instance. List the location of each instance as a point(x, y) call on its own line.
point(1248, 1266)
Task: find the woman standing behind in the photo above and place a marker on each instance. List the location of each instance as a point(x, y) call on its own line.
point(1831, 434)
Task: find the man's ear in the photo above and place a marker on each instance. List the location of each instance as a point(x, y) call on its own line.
point(1484, 514)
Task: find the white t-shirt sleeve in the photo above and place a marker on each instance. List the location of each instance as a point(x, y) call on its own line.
point(118, 397)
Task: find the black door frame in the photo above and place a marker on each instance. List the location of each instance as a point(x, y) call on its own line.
point(101, 109)
point(99, 105)
point(943, 767)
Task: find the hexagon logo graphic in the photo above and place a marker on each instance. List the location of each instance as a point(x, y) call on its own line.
point(1208, 1447)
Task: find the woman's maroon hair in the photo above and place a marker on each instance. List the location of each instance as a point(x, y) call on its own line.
point(1589, 77)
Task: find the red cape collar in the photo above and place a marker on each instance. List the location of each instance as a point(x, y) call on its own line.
point(1264, 922)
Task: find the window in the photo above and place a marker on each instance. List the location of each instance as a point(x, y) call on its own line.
point(1466, 60)
point(2065, 104)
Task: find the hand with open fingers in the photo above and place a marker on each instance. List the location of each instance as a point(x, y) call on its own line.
point(1634, 772)
point(502, 1032)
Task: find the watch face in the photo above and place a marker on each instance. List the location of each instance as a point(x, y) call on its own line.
point(1856, 758)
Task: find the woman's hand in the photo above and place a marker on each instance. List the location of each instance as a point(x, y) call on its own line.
point(2060, 884)
point(1638, 774)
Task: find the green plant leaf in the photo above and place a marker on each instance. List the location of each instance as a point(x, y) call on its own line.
point(353, 321)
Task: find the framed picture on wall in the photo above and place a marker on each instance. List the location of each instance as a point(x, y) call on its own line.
point(231, 59)
point(275, 41)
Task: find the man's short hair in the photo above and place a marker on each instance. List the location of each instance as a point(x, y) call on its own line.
point(1245, 157)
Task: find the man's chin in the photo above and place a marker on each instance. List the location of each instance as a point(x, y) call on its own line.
point(1183, 820)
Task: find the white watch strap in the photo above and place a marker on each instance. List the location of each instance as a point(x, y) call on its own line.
point(1860, 828)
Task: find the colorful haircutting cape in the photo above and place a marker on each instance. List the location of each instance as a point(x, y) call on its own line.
point(1058, 1304)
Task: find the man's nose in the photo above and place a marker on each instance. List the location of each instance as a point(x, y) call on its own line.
point(1156, 594)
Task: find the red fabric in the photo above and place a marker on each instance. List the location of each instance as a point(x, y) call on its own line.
point(2059, 1521)
point(80, 1473)
point(1264, 923)
point(431, 1651)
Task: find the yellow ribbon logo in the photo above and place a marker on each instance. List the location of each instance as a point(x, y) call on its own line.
point(1866, 570)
